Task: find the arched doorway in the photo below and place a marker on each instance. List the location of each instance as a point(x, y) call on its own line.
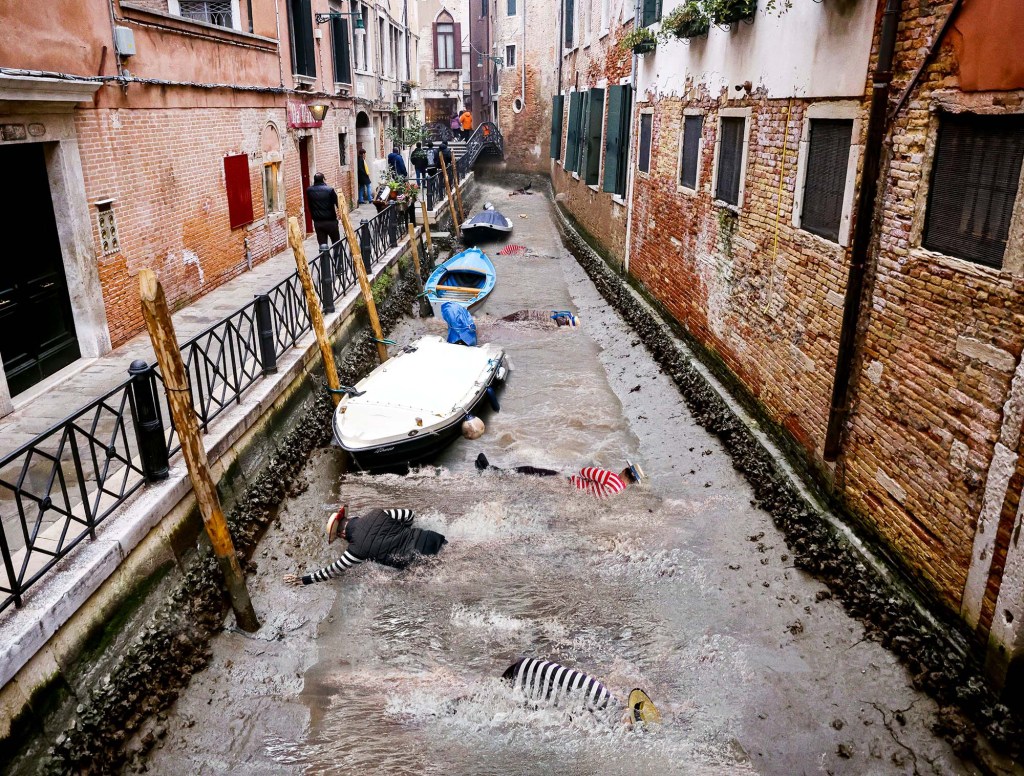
point(364, 141)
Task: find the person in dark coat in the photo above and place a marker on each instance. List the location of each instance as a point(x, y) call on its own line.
point(323, 208)
point(397, 163)
point(365, 193)
point(446, 153)
point(419, 163)
point(386, 536)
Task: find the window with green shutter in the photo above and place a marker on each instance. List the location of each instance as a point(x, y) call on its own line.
point(581, 133)
point(651, 13)
point(646, 133)
point(572, 140)
point(300, 22)
point(342, 53)
point(595, 131)
point(616, 145)
point(568, 18)
point(557, 107)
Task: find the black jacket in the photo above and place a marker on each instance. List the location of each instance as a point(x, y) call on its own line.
point(323, 202)
point(380, 537)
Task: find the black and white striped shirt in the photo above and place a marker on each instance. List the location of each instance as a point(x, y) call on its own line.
point(545, 681)
point(350, 559)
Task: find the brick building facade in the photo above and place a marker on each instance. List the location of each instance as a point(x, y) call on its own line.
point(182, 144)
point(745, 154)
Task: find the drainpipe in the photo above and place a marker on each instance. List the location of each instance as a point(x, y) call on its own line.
point(561, 42)
point(522, 58)
point(113, 41)
point(867, 202)
point(280, 59)
point(637, 11)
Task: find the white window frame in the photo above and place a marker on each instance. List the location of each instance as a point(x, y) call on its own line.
point(446, 66)
point(731, 113)
point(174, 8)
point(848, 111)
point(513, 15)
point(700, 152)
point(650, 157)
point(606, 12)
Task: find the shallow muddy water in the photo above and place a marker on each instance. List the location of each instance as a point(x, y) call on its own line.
point(680, 587)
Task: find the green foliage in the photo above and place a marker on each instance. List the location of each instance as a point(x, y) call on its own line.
point(688, 20)
point(412, 131)
point(729, 11)
point(640, 41)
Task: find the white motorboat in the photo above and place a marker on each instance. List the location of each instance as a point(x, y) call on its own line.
point(412, 406)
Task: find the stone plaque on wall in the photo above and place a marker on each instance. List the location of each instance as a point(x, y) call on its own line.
point(13, 131)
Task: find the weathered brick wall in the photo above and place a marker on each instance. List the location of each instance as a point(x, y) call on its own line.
point(165, 171)
point(939, 352)
point(600, 63)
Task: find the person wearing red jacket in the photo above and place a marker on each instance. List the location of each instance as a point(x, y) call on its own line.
point(598, 482)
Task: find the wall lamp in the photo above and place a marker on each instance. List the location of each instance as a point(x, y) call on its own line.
point(318, 110)
point(321, 18)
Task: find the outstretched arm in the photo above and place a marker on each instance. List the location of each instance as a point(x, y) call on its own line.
point(336, 569)
point(403, 516)
point(598, 482)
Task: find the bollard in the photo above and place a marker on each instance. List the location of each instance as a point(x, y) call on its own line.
point(265, 334)
point(149, 430)
point(326, 279)
point(364, 245)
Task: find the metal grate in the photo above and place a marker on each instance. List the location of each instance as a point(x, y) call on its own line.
point(828, 158)
point(692, 127)
point(730, 160)
point(210, 11)
point(974, 186)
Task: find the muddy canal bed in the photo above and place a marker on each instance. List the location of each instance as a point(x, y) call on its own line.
point(682, 587)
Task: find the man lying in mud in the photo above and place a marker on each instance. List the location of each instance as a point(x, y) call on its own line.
point(601, 483)
point(544, 682)
point(548, 318)
point(386, 536)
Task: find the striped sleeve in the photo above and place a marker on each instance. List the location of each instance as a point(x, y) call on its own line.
point(403, 516)
point(598, 482)
point(336, 569)
point(554, 684)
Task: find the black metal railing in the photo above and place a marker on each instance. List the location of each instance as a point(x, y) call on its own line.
point(440, 130)
point(56, 488)
point(486, 137)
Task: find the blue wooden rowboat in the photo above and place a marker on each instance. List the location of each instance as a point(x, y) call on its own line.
point(466, 279)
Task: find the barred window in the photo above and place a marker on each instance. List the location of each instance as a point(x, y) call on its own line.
point(690, 154)
point(975, 175)
point(730, 159)
point(828, 160)
point(210, 11)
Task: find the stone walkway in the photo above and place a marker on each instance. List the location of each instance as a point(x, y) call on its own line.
point(88, 379)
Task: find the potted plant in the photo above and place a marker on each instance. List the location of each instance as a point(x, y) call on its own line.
point(686, 21)
point(641, 41)
point(729, 11)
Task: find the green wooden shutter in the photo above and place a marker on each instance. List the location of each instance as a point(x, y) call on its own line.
point(581, 133)
point(595, 129)
point(557, 107)
point(651, 12)
point(568, 20)
point(572, 140)
point(616, 147)
point(342, 57)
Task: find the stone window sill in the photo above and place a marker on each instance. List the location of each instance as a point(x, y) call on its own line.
point(191, 26)
point(688, 191)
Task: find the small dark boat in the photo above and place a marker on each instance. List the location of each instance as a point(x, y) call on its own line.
point(485, 225)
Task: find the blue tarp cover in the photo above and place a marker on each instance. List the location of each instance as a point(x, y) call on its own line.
point(461, 326)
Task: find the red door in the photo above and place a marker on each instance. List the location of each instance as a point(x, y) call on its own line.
point(304, 169)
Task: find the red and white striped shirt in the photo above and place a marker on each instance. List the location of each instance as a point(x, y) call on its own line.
point(600, 483)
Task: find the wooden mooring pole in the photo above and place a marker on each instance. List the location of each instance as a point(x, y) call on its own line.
point(312, 303)
point(364, 285)
point(451, 199)
point(424, 304)
point(426, 224)
point(179, 399)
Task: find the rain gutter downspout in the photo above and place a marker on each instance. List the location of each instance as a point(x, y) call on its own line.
point(637, 11)
point(867, 202)
point(522, 58)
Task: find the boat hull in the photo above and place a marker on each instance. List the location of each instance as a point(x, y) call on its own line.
point(470, 263)
point(390, 427)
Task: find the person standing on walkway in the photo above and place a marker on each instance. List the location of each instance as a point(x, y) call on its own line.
point(445, 152)
point(419, 163)
point(363, 172)
point(397, 164)
point(456, 125)
point(386, 536)
point(323, 208)
point(598, 482)
point(466, 122)
point(432, 163)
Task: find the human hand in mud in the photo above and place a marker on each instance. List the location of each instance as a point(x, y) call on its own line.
point(293, 580)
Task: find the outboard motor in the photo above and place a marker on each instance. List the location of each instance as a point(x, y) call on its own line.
point(461, 326)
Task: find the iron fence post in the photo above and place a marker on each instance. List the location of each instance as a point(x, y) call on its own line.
point(364, 244)
point(265, 334)
point(393, 227)
point(149, 430)
point(326, 279)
